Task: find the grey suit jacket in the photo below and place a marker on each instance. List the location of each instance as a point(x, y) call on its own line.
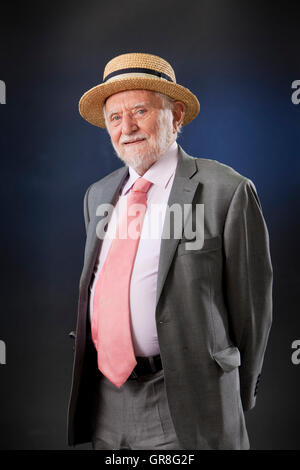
point(213, 311)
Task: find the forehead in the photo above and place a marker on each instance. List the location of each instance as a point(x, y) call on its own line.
point(130, 98)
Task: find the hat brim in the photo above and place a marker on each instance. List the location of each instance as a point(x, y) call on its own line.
point(91, 103)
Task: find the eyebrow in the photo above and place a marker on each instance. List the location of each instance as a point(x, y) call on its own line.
point(138, 105)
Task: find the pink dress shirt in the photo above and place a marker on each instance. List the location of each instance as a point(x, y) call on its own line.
point(144, 275)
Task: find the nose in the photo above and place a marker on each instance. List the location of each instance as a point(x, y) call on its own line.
point(128, 124)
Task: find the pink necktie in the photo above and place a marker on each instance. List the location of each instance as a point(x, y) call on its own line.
point(111, 330)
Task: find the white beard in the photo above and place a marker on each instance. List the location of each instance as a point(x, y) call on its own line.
point(143, 159)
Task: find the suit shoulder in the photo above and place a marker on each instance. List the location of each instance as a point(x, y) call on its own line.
point(97, 184)
point(219, 173)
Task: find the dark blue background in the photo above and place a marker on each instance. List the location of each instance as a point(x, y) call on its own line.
point(240, 59)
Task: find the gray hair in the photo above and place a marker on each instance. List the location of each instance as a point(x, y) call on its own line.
point(168, 103)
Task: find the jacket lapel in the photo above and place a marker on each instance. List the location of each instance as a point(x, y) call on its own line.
point(108, 194)
point(182, 192)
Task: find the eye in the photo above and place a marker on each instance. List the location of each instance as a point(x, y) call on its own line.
point(141, 111)
point(115, 117)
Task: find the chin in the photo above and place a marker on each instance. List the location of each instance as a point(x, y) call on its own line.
point(141, 160)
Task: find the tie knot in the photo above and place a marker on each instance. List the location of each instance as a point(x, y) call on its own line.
point(141, 185)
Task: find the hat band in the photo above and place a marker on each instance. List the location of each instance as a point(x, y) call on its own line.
point(138, 70)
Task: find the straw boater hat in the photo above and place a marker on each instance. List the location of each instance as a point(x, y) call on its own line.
point(136, 71)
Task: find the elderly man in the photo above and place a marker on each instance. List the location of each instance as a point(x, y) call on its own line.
point(171, 334)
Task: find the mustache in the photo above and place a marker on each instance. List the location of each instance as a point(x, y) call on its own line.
point(125, 139)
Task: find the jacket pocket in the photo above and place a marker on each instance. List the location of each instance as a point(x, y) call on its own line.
point(228, 359)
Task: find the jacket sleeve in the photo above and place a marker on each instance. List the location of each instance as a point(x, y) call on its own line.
point(86, 208)
point(248, 284)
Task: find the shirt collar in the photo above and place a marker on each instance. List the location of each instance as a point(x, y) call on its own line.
point(160, 172)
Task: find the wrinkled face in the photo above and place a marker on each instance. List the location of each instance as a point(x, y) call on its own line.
point(140, 127)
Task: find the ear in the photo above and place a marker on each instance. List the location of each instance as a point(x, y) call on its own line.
point(178, 114)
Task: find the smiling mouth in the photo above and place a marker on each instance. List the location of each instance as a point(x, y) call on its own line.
point(134, 142)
